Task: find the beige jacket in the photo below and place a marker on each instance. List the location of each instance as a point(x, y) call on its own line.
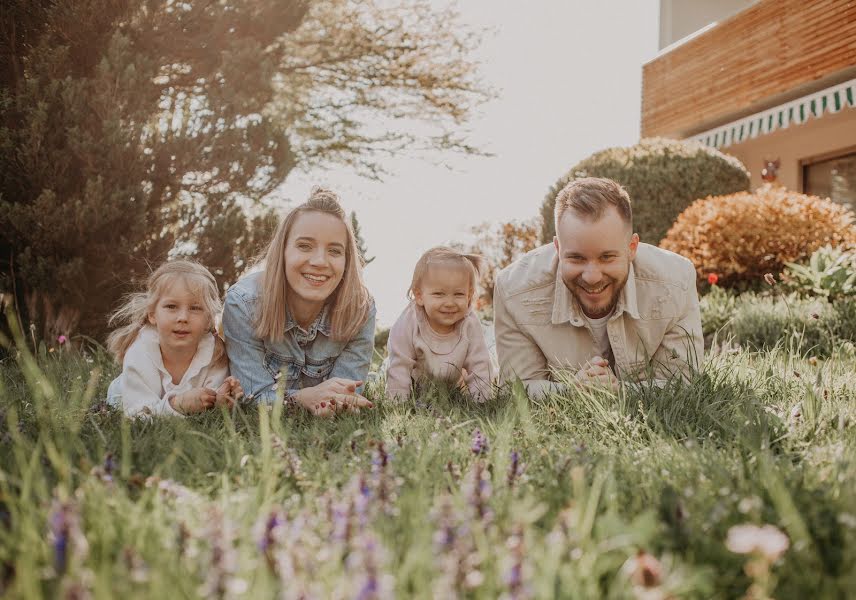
point(540, 329)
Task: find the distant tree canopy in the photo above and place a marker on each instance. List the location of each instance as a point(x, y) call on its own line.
point(501, 244)
point(135, 130)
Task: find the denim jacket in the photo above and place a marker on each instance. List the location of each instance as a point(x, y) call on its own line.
point(305, 358)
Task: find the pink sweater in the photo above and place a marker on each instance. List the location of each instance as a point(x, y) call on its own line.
point(416, 350)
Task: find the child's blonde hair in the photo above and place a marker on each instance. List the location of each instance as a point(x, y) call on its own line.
point(351, 301)
point(444, 255)
point(135, 311)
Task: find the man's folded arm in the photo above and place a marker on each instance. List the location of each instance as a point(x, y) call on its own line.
point(519, 356)
point(682, 349)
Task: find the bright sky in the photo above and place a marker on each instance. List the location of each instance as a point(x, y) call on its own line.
point(568, 74)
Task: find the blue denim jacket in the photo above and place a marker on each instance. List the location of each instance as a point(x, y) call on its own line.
point(305, 358)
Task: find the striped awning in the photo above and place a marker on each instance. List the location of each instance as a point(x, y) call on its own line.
point(796, 112)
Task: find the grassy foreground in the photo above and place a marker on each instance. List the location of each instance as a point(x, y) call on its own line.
point(578, 496)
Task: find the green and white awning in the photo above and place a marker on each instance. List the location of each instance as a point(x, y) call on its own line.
point(796, 112)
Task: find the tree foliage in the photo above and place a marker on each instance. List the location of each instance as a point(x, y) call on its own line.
point(361, 242)
point(135, 130)
point(500, 244)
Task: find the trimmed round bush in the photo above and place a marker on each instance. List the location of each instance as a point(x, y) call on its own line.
point(741, 237)
point(662, 176)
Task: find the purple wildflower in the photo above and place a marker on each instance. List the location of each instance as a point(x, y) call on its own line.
point(514, 577)
point(478, 491)
point(480, 445)
point(223, 560)
point(365, 561)
point(267, 538)
point(62, 339)
point(65, 535)
point(514, 469)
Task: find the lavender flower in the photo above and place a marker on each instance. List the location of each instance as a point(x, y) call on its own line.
point(514, 469)
point(478, 491)
point(480, 445)
point(365, 560)
point(383, 482)
point(223, 561)
point(105, 470)
point(514, 576)
point(66, 535)
point(267, 539)
point(456, 555)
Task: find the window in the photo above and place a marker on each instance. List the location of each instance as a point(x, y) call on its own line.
point(834, 178)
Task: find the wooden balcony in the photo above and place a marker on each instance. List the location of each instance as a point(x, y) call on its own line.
point(770, 53)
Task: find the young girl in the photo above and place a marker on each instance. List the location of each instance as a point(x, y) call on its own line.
point(306, 322)
point(173, 362)
point(438, 334)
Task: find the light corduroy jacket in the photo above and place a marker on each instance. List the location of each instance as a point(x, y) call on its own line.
point(540, 330)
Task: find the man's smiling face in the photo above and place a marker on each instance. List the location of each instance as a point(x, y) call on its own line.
point(594, 258)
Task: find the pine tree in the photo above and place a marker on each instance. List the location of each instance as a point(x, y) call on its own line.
point(358, 238)
point(134, 130)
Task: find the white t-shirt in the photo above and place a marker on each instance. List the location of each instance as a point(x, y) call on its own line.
point(146, 386)
point(600, 335)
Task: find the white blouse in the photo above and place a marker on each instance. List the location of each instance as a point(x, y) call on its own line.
point(145, 386)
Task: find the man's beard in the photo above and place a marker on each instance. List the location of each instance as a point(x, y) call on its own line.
point(601, 309)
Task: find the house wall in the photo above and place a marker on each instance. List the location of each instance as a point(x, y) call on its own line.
point(767, 54)
point(819, 138)
point(680, 18)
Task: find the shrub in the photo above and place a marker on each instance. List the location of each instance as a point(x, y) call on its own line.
point(761, 322)
point(717, 308)
point(743, 236)
point(830, 273)
point(662, 177)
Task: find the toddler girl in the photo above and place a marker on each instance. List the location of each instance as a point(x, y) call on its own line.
point(173, 362)
point(438, 334)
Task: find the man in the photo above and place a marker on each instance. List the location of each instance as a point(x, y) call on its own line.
point(596, 304)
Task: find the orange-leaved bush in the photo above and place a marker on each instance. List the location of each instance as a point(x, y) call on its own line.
point(743, 236)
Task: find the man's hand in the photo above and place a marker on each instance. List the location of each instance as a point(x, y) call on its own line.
point(193, 401)
point(331, 396)
point(597, 372)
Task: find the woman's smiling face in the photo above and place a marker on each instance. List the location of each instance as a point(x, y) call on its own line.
point(315, 259)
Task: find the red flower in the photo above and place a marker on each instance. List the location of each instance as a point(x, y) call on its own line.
point(712, 278)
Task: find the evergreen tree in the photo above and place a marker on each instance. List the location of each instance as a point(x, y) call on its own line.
point(132, 130)
point(358, 237)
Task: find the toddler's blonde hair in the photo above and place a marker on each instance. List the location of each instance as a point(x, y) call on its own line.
point(133, 315)
point(473, 264)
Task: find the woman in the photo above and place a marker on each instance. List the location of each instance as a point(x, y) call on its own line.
point(306, 323)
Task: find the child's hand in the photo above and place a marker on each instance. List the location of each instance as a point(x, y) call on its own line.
point(194, 401)
point(229, 392)
point(462, 380)
point(237, 391)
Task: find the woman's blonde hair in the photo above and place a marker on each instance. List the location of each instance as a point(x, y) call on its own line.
point(350, 300)
point(134, 313)
point(473, 264)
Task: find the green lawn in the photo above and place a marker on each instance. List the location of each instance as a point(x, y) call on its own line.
point(578, 496)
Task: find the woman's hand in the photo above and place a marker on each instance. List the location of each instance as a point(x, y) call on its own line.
point(193, 401)
point(331, 396)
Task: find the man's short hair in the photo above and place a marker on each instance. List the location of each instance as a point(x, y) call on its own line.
point(591, 196)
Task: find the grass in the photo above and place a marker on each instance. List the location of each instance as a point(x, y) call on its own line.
point(572, 496)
